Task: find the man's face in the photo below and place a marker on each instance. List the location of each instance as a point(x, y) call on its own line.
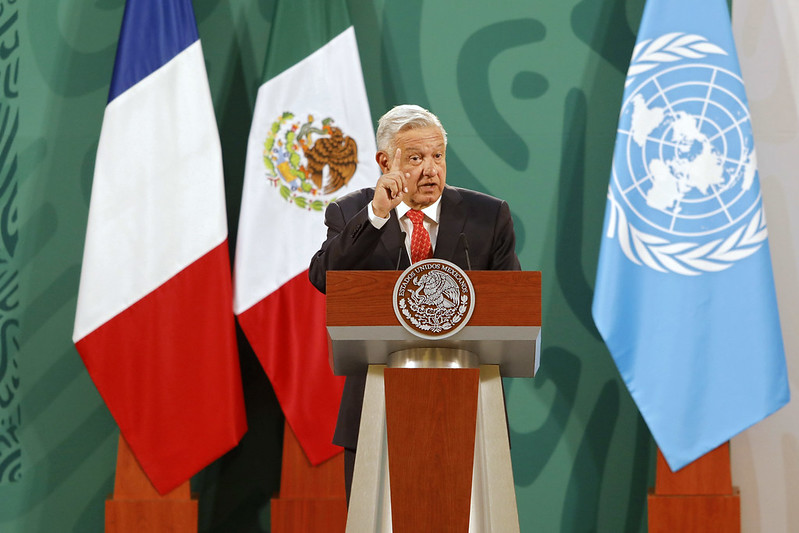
point(423, 157)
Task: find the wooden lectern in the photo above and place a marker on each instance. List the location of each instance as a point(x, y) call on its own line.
point(433, 450)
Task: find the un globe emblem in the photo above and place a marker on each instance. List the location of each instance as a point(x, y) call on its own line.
point(684, 191)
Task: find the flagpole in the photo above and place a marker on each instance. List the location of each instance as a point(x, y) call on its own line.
point(136, 505)
point(697, 498)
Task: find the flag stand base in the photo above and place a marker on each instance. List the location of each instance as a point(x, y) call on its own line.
point(312, 498)
point(697, 498)
point(136, 506)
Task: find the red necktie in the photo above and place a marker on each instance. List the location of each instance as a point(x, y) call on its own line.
point(420, 239)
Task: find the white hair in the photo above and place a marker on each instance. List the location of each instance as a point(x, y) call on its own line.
point(404, 117)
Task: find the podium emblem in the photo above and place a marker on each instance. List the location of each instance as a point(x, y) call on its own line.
point(433, 299)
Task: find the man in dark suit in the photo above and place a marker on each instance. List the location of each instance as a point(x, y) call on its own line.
point(371, 229)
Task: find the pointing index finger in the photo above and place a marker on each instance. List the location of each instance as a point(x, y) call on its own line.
point(395, 167)
point(395, 163)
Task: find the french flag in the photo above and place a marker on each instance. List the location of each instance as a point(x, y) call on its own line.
point(154, 323)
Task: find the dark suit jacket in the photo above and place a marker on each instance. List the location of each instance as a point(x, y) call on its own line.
point(353, 243)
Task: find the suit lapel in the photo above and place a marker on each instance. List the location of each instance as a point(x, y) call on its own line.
point(393, 240)
point(450, 225)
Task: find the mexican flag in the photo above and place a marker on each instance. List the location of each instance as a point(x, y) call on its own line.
point(311, 141)
point(154, 324)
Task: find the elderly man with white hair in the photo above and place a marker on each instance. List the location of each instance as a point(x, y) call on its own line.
point(411, 214)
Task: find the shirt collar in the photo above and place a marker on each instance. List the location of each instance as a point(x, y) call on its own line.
point(432, 211)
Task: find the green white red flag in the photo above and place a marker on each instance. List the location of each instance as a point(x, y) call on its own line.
point(311, 141)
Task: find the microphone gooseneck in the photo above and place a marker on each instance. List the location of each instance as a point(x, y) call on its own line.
point(466, 250)
point(399, 253)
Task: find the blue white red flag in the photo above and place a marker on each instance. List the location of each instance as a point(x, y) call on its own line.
point(685, 296)
point(154, 323)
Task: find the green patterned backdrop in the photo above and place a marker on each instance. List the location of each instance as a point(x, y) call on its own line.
point(529, 93)
point(10, 408)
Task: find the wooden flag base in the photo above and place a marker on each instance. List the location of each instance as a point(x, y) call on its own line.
point(698, 498)
point(312, 498)
point(136, 506)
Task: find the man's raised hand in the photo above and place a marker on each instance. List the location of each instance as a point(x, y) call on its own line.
point(390, 187)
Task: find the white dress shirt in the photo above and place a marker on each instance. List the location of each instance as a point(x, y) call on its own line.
point(432, 214)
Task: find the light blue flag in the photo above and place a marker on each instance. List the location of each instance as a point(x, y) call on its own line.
point(685, 297)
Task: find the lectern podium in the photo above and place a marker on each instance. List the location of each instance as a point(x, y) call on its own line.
point(433, 451)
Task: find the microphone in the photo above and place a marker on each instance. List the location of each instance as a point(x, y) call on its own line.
point(466, 250)
point(399, 254)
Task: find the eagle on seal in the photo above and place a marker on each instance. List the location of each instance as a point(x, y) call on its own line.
point(438, 289)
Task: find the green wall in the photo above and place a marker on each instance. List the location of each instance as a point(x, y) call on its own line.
point(529, 93)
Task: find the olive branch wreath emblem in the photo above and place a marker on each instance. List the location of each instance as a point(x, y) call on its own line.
point(667, 48)
point(685, 258)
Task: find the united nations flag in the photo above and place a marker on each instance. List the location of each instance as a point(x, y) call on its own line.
point(685, 297)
